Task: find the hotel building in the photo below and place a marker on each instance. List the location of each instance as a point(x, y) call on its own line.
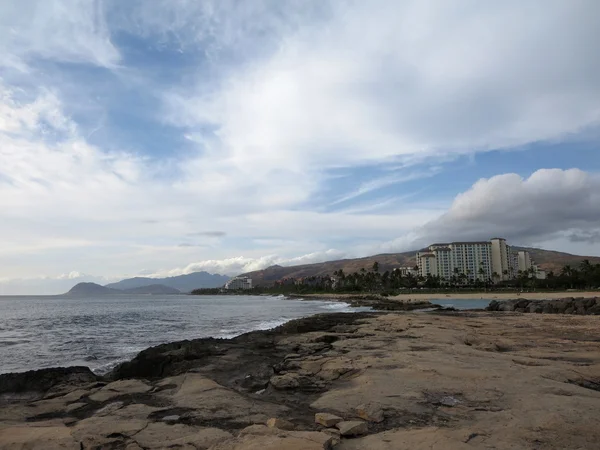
point(239, 283)
point(483, 260)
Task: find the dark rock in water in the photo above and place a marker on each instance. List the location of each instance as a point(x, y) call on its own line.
point(250, 356)
point(581, 306)
point(45, 379)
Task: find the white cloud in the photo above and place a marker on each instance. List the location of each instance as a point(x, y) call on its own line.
point(288, 92)
point(240, 264)
point(412, 80)
point(549, 203)
point(61, 30)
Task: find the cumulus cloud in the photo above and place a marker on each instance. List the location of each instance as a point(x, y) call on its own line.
point(240, 264)
point(525, 210)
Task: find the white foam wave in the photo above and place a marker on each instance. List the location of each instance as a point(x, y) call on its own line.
point(337, 306)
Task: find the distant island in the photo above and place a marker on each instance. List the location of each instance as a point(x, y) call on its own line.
point(93, 289)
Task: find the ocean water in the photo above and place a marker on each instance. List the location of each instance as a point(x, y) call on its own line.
point(51, 331)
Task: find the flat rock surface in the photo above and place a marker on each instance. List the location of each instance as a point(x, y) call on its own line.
point(430, 381)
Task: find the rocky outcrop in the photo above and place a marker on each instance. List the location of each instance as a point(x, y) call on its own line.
point(580, 306)
point(365, 381)
point(45, 379)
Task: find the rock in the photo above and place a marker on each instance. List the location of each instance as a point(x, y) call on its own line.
point(74, 406)
point(118, 388)
point(449, 401)
point(161, 435)
point(109, 409)
point(580, 306)
point(335, 434)
point(281, 424)
point(42, 436)
point(370, 412)
point(97, 428)
point(171, 419)
point(258, 430)
point(327, 420)
point(287, 381)
point(282, 440)
point(45, 379)
point(352, 428)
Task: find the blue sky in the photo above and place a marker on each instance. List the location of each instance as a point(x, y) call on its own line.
point(161, 137)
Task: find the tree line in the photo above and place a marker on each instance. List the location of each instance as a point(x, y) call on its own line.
point(585, 276)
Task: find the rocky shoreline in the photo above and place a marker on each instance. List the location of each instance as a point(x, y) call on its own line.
point(439, 380)
point(374, 301)
point(581, 306)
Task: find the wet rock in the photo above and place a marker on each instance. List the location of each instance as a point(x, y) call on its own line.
point(45, 379)
point(370, 412)
point(352, 428)
point(280, 424)
point(327, 420)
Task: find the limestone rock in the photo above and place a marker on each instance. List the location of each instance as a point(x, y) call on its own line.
point(109, 409)
point(370, 412)
point(281, 424)
point(39, 437)
point(74, 407)
point(352, 428)
point(162, 435)
point(327, 420)
point(271, 439)
point(118, 388)
point(286, 381)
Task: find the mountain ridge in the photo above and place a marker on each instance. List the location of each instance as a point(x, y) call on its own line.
point(90, 289)
point(549, 260)
point(183, 283)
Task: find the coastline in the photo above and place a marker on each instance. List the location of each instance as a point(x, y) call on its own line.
point(441, 380)
point(428, 297)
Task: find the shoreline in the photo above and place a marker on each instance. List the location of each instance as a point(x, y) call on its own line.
point(431, 380)
point(424, 297)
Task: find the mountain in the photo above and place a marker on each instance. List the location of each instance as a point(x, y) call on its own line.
point(89, 289)
point(546, 259)
point(93, 289)
point(156, 289)
point(183, 283)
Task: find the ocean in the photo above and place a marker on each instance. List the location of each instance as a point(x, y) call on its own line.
point(51, 331)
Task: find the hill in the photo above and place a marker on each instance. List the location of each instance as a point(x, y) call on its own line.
point(546, 259)
point(89, 289)
point(183, 283)
point(155, 289)
point(93, 289)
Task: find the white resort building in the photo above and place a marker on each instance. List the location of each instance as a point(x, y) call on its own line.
point(239, 283)
point(483, 260)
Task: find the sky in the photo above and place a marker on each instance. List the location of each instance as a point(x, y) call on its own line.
point(162, 137)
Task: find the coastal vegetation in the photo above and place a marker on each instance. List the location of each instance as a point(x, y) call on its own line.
point(390, 282)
